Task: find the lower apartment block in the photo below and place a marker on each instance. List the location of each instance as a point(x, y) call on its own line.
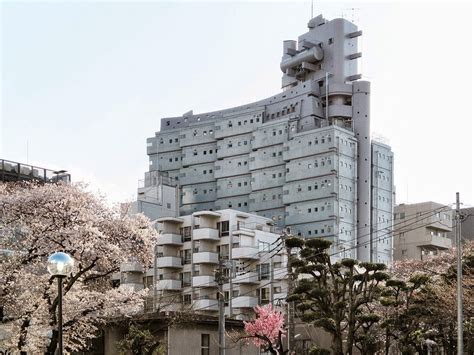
point(190, 248)
point(421, 230)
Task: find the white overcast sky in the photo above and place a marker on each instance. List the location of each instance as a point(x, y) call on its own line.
point(85, 83)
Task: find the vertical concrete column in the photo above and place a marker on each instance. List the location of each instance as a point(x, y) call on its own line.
point(361, 122)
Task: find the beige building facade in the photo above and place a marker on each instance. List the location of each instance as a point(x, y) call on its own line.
point(421, 230)
point(251, 253)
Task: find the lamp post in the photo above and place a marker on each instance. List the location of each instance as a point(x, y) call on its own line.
point(60, 265)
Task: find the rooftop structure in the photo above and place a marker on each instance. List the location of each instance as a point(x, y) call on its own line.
point(14, 171)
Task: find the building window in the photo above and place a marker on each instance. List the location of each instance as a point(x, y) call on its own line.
point(187, 299)
point(186, 234)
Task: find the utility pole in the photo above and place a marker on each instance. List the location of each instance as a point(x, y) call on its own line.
point(221, 279)
point(459, 276)
point(290, 305)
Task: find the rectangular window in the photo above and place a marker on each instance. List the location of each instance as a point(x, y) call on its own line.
point(223, 228)
point(186, 278)
point(264, 271)
point(186, 234)
point(187, 299)
point(205, 344)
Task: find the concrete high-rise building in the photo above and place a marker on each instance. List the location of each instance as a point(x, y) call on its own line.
point(302, 157)
point(421, 230)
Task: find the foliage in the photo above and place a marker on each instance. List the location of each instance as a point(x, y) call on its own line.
point(419, 306)
point(139, 341)
point(267, 329)
point(37, 220)
point(337, 296)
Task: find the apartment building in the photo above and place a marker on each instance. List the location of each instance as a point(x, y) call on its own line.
point(422, 230)
point(467, 225)
point(249, 251)
point(303, 157)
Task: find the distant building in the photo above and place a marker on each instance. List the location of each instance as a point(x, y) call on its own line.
point(467, 224)
point(14, 171)
point(157, 196)
point(302, 157)
point(421, 230)
point(197, 336)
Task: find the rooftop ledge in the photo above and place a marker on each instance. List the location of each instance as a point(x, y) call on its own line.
point(206, 213)
point(170, 219)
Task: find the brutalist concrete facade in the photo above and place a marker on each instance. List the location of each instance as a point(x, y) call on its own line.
point(303, 157)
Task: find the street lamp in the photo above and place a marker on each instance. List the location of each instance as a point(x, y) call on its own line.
point(60, 265)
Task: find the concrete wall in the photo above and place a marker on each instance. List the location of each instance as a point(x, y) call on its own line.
point(421, 230)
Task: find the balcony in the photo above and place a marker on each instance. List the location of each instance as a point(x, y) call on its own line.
point(279, 273)
point(245, 253)
point(174, 285)
point(205, 257)
point(436, 242)
point(169, 239)
point(206, 234)
point(205, 305)
point(245, 302)
point(247, 278)
point(280, 297)
point(204, 281)
point(131, 267)
point(169, 261)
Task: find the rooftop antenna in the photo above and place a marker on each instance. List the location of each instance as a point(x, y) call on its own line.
point(311, 9)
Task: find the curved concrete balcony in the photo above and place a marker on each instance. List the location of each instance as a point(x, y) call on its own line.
point(205, 305)
point(336, 110)
point(169, 261)
point(247, 278)
point(279, 273)
point(174, 285)
point(280, 297)
point(204, 281)
point(205, 257)
point(206, 234)
point(131, 267)
point(245, 302)
point(245, 253)
point(170, 239)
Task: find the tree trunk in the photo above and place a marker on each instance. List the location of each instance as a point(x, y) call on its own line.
point(387, 341)
point(53, 344)
point(337, 345)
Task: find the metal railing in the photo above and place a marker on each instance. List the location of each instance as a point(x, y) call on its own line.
point(14, 171)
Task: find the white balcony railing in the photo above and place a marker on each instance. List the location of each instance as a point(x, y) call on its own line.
point(132, 266)
point(169, 239)
point(247, 278)
point(245, 253)
point(169, 261)
point(205, 305)
point(206, 234)
point(205, 257)
point(174, 285)
point(245, 302)
point(204, 281)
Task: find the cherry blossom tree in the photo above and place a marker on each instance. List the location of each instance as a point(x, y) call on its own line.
point(37, 220)
point(267, 329)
